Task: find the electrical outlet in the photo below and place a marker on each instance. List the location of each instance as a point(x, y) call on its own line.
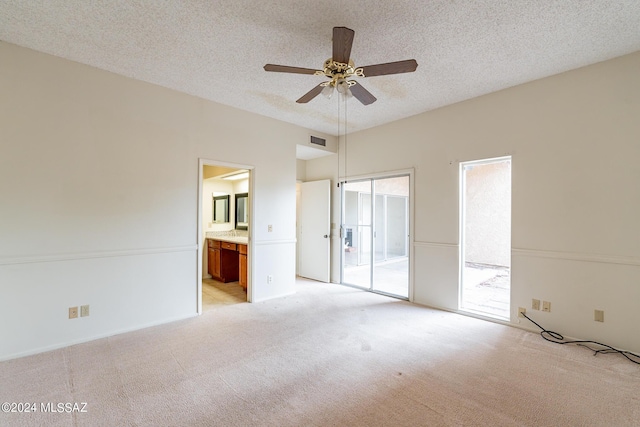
point(546, 306)
point(521, 311)
point(73, 312)
point(535, 304)
point(598, 315)
point(269, 228)
point(269, 278)
point(84, 310)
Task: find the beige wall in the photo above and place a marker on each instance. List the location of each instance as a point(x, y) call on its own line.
point(87, 219)
point(573, 139)
point(301, 170)
point(99, 199)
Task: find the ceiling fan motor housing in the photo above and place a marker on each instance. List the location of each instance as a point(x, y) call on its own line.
point(337, 71)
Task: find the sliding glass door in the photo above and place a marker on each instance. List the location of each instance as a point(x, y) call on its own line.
point(375, 230)
point(357, 233)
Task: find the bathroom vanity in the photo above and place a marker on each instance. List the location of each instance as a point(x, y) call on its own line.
point(227, 260)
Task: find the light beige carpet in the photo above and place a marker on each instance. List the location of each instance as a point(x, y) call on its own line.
point(327, 356)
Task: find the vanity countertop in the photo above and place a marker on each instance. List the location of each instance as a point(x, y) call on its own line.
point(243, 240)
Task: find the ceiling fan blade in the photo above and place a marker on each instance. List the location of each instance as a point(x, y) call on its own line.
point(362, 94)
point(287, 69)
point(310, 95)
point(398, 67)
point(342, 42)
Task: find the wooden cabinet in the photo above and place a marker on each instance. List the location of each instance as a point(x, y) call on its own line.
point(223, 260)
point(227, 261)
point(214, 258)
point(228, 246)
point(242, 255)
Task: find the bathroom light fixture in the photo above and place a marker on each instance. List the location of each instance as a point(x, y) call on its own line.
point(241, 175)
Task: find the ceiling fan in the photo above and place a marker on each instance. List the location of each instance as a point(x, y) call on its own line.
point(340, 68)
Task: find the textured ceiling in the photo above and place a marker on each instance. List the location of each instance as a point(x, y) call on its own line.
point(216, 49)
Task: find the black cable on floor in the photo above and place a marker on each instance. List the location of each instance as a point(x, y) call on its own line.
point(557, 338)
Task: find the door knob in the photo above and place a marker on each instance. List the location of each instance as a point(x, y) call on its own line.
point(326, 236)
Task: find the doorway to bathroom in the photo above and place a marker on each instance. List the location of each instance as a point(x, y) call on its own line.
point(224, 224)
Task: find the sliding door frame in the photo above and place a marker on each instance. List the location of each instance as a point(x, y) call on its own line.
point(410, 237)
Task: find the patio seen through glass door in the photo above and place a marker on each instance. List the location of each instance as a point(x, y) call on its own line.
point(375, 235)
point(485, 237)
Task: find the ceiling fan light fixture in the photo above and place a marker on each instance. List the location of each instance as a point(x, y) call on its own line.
point(328, 90)
point(346, 96)
point(342, 86)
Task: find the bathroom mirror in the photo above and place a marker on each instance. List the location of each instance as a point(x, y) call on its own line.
point(242, 211)
point(221, 209)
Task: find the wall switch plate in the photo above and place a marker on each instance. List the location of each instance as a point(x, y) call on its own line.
point(546, 306)
point(84, 310)
point(535, 304)
point(598, 315)
point(521, 311)
point(73, 312)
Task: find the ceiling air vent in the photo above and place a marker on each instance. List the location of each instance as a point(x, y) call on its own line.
point(318, 141)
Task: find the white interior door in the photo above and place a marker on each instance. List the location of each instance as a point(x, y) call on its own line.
point(315, 226)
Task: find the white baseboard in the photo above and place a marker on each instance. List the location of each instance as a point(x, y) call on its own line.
point(93, 338)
